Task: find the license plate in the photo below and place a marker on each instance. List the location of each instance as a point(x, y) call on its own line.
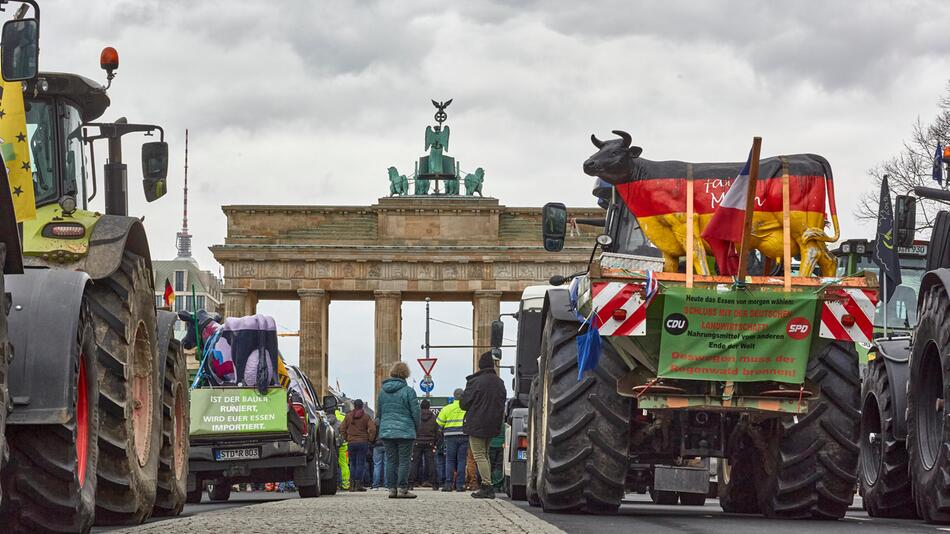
point(248, 453)
point(522, 455)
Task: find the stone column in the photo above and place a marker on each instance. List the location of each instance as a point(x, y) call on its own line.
point(250, 303)
point(314, 322)
point(235, 301)
point(388, 333)
point(485, 309)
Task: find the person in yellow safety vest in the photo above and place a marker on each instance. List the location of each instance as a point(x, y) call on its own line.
point(343, 458)
point(450, 419)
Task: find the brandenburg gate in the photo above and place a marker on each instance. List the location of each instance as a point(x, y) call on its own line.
point(404, 248)
point(437, 242)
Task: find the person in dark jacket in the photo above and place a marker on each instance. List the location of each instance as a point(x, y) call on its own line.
point(399, 415)
point(424, 446)
point(484, 405)
point(359, 430)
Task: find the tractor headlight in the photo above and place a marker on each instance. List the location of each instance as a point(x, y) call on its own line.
point(846, 248)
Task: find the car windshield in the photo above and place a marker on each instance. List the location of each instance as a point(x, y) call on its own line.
point(41, 135)
point(902, 306)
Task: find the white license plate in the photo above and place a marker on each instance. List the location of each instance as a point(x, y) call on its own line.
point(249, 453)
point(522, 455)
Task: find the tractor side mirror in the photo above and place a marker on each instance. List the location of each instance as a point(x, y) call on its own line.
point(154, 169)
point(497, 333)
point(329, 404)
point(553, 226)
point(905, 220)
point(20, 41)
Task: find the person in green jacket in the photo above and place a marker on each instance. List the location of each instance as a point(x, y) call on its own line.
point(399, 415)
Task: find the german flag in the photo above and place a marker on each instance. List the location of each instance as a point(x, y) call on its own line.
point(169, 295)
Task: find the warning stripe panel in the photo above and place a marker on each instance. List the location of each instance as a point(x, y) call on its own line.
point(610, 297)
point(859, 305)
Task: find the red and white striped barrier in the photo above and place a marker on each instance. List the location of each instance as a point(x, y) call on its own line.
point(621, 307)
point(849, 315)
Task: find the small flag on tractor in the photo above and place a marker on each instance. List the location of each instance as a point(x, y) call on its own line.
point(725, 228)
point(169, 294)
point(938, 164)
point(885, 254)
point(15, 150)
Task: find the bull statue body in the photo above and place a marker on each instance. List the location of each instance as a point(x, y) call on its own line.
point(655, 192)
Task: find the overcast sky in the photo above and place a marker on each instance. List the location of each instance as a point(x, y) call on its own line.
point(309, 102)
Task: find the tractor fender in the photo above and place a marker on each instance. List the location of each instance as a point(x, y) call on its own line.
point(894, 355)
point(165, 327)
point(558, 302)
point(111, 237)
point(934, 277)
point(43, 324)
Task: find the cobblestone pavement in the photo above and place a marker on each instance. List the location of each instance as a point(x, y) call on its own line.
point(372, 512)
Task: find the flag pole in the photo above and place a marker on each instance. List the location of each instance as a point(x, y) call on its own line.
point(786, 227)
point(749, 208)
point(690, 237)
point(884, 301)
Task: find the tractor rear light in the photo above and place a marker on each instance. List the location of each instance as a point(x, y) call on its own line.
point(620, 314)
point(302, 414)
point(64, 230)
point(847, 320)
point(523, 442)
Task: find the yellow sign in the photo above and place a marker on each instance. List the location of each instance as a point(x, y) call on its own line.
point(15, 150)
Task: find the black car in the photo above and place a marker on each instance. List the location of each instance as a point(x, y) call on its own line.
point(306, 453)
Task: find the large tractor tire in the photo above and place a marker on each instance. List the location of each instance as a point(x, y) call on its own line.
point(928, 435)
point(736, 479)
point(130, 395)
point(173, 458)
point(585, 428)
point(534, 432)
point(6, 354)
point(810, 464)
point(884, 476)
point(51, 478)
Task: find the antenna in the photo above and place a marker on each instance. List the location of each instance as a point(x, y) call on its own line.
point(183, 237)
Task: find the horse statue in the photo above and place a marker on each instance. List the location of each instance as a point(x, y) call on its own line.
point(398, 184)
point(422, 186)
point(473, 182)
point(238, 351)
point(452, 186)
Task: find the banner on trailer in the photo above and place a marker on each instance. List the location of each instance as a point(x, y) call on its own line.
point(237, 411)
point(742, 336)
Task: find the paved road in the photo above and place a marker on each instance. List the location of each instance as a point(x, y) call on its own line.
point(639, 514)
point(263, 512)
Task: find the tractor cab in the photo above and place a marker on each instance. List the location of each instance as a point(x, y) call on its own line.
point(856, 256)
point(57, 105)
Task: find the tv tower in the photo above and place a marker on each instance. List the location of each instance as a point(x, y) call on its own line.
point(183, 238)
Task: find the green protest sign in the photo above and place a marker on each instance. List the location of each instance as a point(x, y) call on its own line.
point(237, 411)
point(742, 336)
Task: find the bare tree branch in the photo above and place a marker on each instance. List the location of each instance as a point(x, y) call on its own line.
point(912, 166)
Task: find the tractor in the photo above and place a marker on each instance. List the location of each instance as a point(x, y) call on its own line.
point(97, 384)
point(648, 371)
point(904, 434)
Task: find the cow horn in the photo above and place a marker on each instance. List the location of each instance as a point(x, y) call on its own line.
point(597, 142)
point(625, 136)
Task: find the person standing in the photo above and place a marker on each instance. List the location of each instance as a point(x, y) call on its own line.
point(484, 405)
point(359, 431)
point(450, 420)
point(379, 462)
point(343, 475)
point(423, 449)
point(496, 453)
point(399, 415)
